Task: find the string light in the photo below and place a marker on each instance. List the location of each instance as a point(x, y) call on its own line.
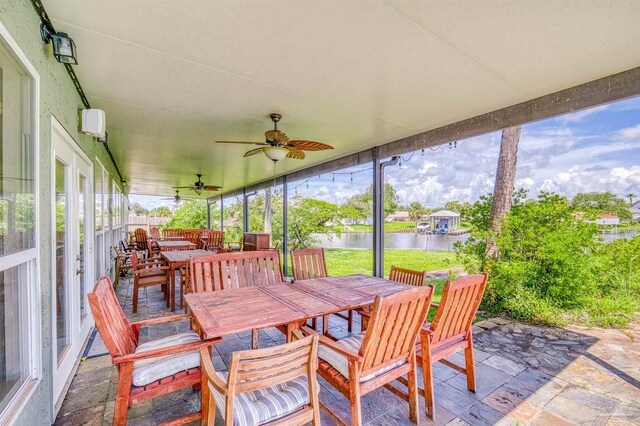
point(351, 177)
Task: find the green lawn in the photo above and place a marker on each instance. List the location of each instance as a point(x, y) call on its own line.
point(388, 226)
point(360, 261)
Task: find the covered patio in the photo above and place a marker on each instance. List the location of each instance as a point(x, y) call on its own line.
point(192, 99)
point(526, 375)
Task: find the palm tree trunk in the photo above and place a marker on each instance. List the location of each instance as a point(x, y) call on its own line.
point(267, 210)
point(503, 190)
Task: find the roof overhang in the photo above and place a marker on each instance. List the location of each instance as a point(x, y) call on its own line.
point(174, 76)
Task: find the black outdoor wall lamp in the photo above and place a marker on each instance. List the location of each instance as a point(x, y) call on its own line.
point(64, 49)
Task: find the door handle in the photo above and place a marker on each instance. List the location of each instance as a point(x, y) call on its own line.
point(80, 271)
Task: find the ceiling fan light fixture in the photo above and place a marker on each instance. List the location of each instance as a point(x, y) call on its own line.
point(275, 153)
point(197, 190)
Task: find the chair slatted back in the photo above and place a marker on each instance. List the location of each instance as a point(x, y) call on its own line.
point(155, 233)
point(394, 327)
point(458, 307)
point(172, 232)
point(111, 320)
point(141, 238)
point(235, 270)
point(193, 236)
point(204, 274)
point(215, 240)
point(407, 276)
point(308, 264)
point(260, 368)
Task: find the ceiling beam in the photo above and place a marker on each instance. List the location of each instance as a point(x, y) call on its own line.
point(613, 88)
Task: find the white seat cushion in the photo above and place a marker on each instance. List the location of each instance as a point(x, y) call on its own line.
point(146, 371)
point(339, 361)
point(264, 405)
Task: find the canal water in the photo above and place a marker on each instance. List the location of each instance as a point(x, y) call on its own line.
point(414, 241)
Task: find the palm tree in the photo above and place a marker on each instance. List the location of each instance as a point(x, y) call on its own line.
point(503, 189)
point(631, 197)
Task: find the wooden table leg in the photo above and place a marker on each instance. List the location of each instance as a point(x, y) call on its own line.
point(293, 326)
point(172, 290)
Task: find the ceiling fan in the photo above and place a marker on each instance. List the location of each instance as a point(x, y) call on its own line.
point(199, 186)
point(278, 146)
point(177, 199)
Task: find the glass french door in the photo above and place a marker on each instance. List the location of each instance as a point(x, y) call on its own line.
point(73, 258)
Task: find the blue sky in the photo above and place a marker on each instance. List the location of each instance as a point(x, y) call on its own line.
point(591, 150)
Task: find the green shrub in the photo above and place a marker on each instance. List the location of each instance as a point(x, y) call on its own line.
point(552, 268)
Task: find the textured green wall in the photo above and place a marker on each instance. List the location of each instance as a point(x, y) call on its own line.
point(58, 98)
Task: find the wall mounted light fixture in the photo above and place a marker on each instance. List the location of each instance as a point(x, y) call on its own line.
point(64, 48)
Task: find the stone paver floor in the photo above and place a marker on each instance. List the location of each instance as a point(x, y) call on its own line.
point(525, 375)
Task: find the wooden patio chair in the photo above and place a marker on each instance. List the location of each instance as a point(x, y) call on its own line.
point(153, 249)
point(172, 233)
point(193, 236)
point(399, 275)
point(274, 386)
point(225, 271)
point(215, 241)
point(451, 332)
point(309, 264)
point(155, 233)
point(141, 238)
point(362, 363)
point(147, 370)
point(236, 245)
point(147, 273)
point(123, 263)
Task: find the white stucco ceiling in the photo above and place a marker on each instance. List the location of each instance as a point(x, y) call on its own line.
point(173, 76)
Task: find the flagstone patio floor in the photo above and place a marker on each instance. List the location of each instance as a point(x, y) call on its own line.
point(525, 375)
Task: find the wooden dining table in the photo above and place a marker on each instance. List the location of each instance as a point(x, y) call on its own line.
point(177, 259)
point(176, 245)
point(220, 313)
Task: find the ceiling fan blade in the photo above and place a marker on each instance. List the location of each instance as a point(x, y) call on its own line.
point(295, 153)
point(253, 152)
point(181, 187)
point(244, 142)
point(211, 188)
point(309, 145)
point(276, 136)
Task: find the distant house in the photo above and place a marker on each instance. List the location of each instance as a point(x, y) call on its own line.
point(398, 217)
point(602, 219)
point(444, 221)
point(608, 219)
point(635, 213)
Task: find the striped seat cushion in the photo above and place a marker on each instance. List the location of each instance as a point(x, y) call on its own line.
point(146, 371)
point(339, 361)
point(264, 405)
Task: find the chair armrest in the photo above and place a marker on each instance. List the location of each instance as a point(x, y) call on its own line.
point(151, 261)
point(159, 320)
point(169, 350)
point(210, 372)
point(158, 268)
point(333, 345)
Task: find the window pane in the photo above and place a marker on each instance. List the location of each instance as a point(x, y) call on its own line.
point(98, 197)
point(81, 252)
point(232, 215)
point(14, 365)
point(61, 256)
point(265, 213)
point(334, 211)
point(17, 219)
